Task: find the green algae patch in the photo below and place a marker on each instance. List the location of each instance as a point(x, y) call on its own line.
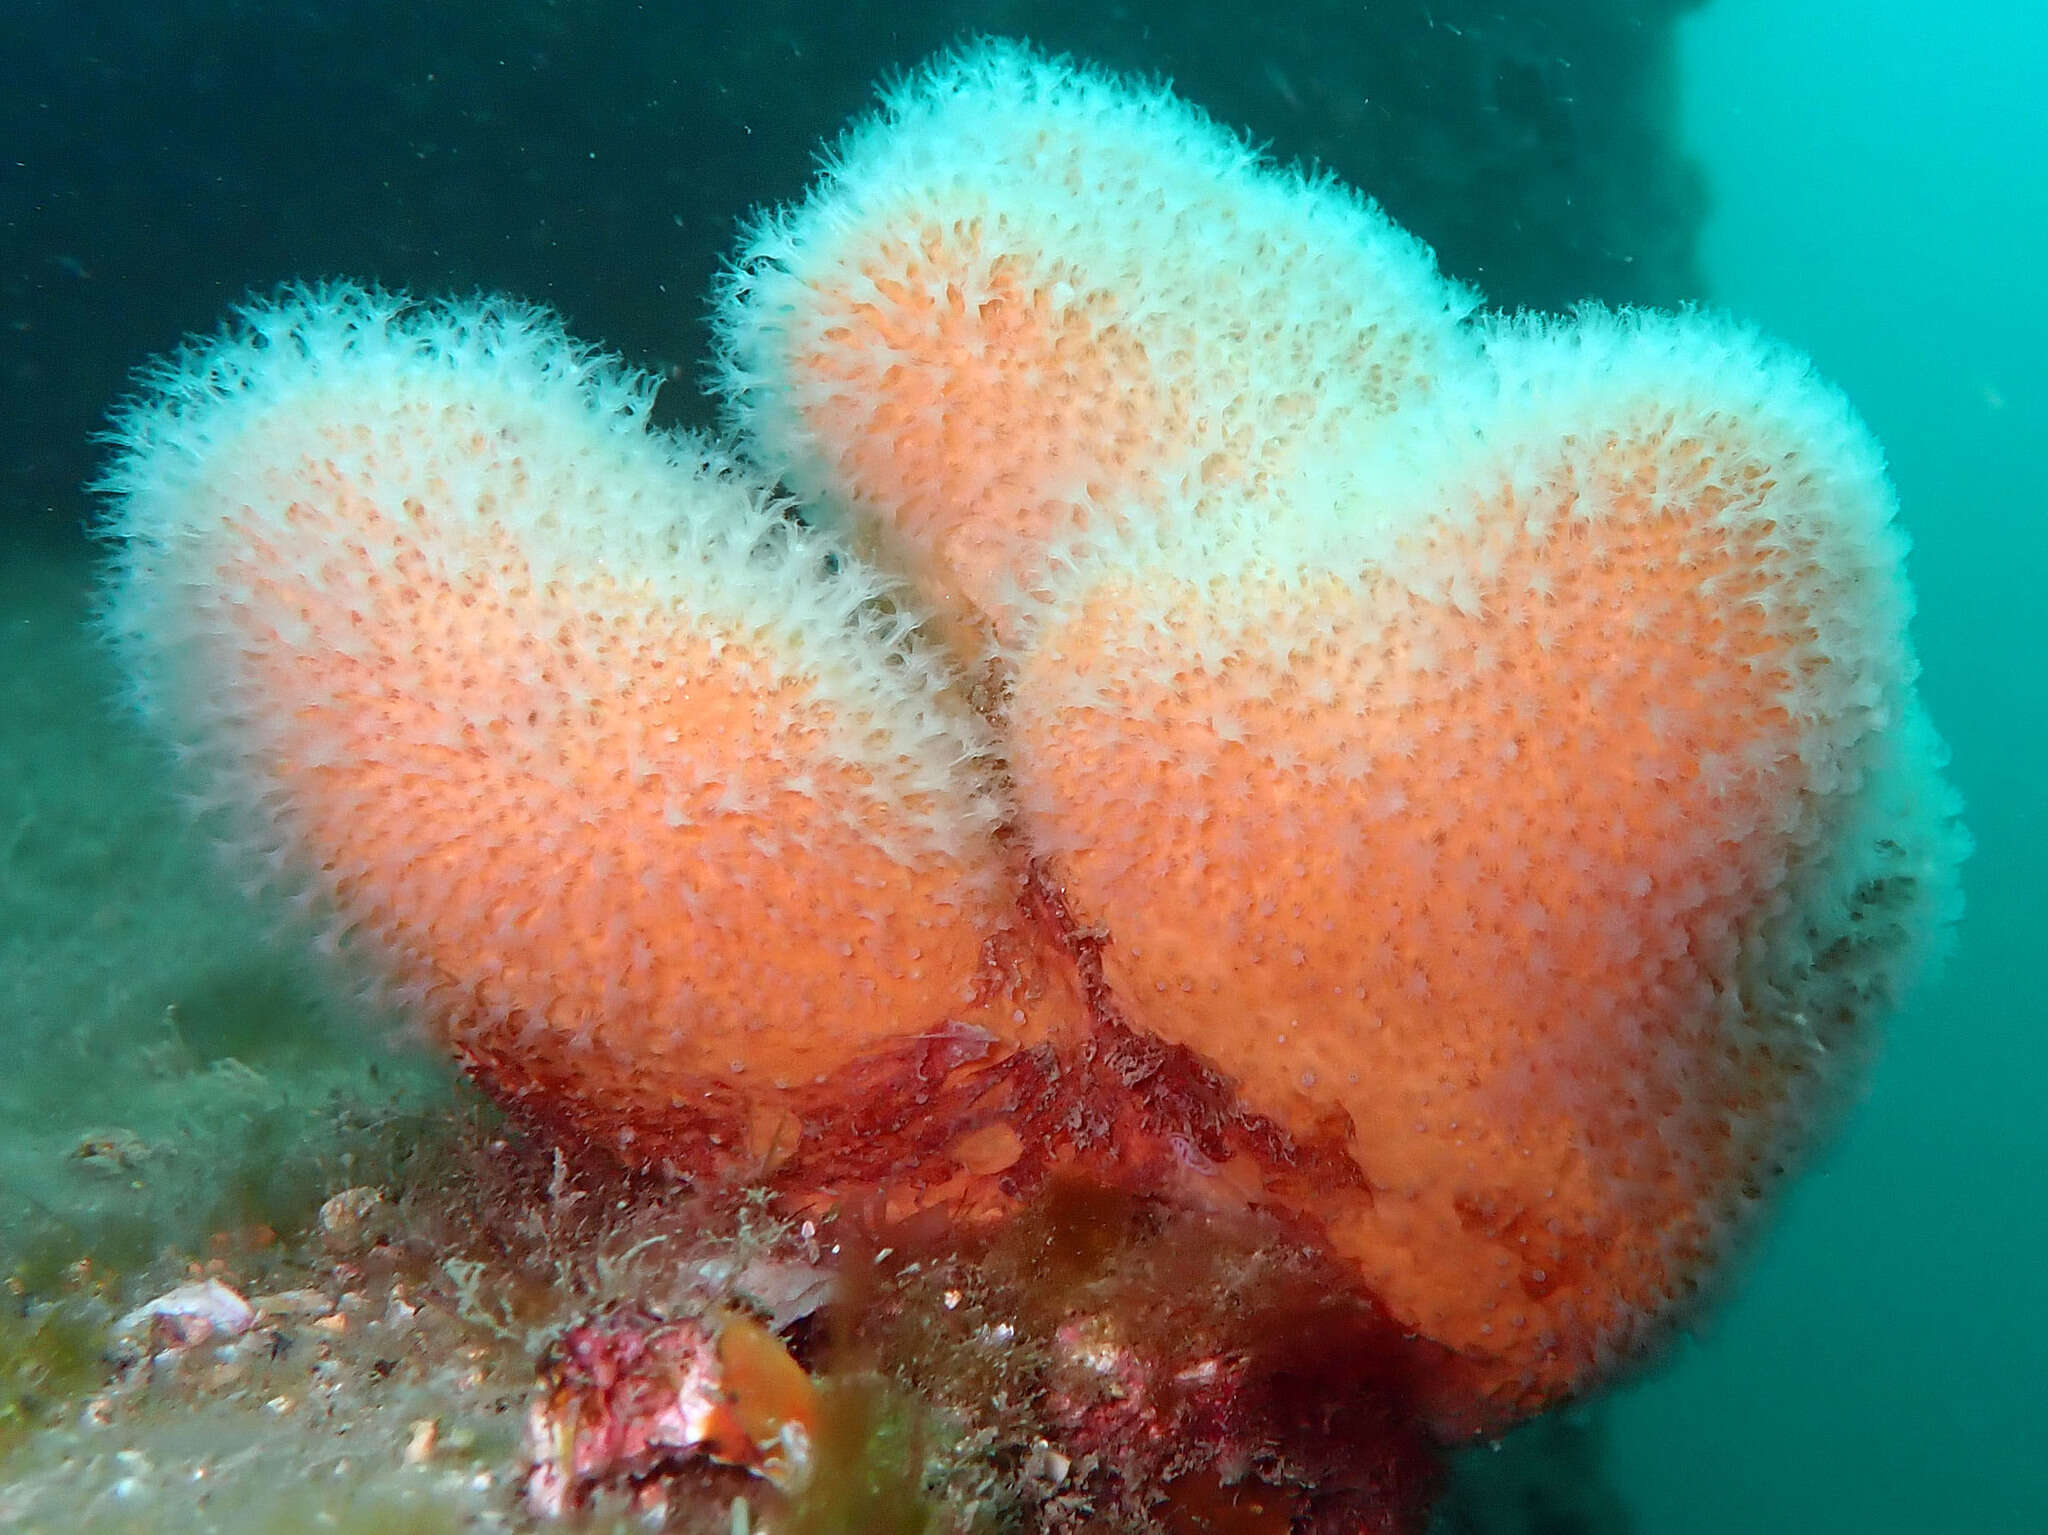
point(48, 1356)
point(870, 1451)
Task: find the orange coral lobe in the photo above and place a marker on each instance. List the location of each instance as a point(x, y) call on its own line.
point(1395, 918)
point(614, 773)
point(532, 794)
point(1480, 845)
point(1027, 303)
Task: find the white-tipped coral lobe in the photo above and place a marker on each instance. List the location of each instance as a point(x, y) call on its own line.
point(1028, 303)
point(627, 779)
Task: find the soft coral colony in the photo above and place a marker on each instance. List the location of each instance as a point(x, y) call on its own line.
point(1230, 726)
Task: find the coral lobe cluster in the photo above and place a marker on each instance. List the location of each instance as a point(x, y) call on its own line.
point(1230, 725)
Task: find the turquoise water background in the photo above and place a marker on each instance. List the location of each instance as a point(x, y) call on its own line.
point(1880, 188)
